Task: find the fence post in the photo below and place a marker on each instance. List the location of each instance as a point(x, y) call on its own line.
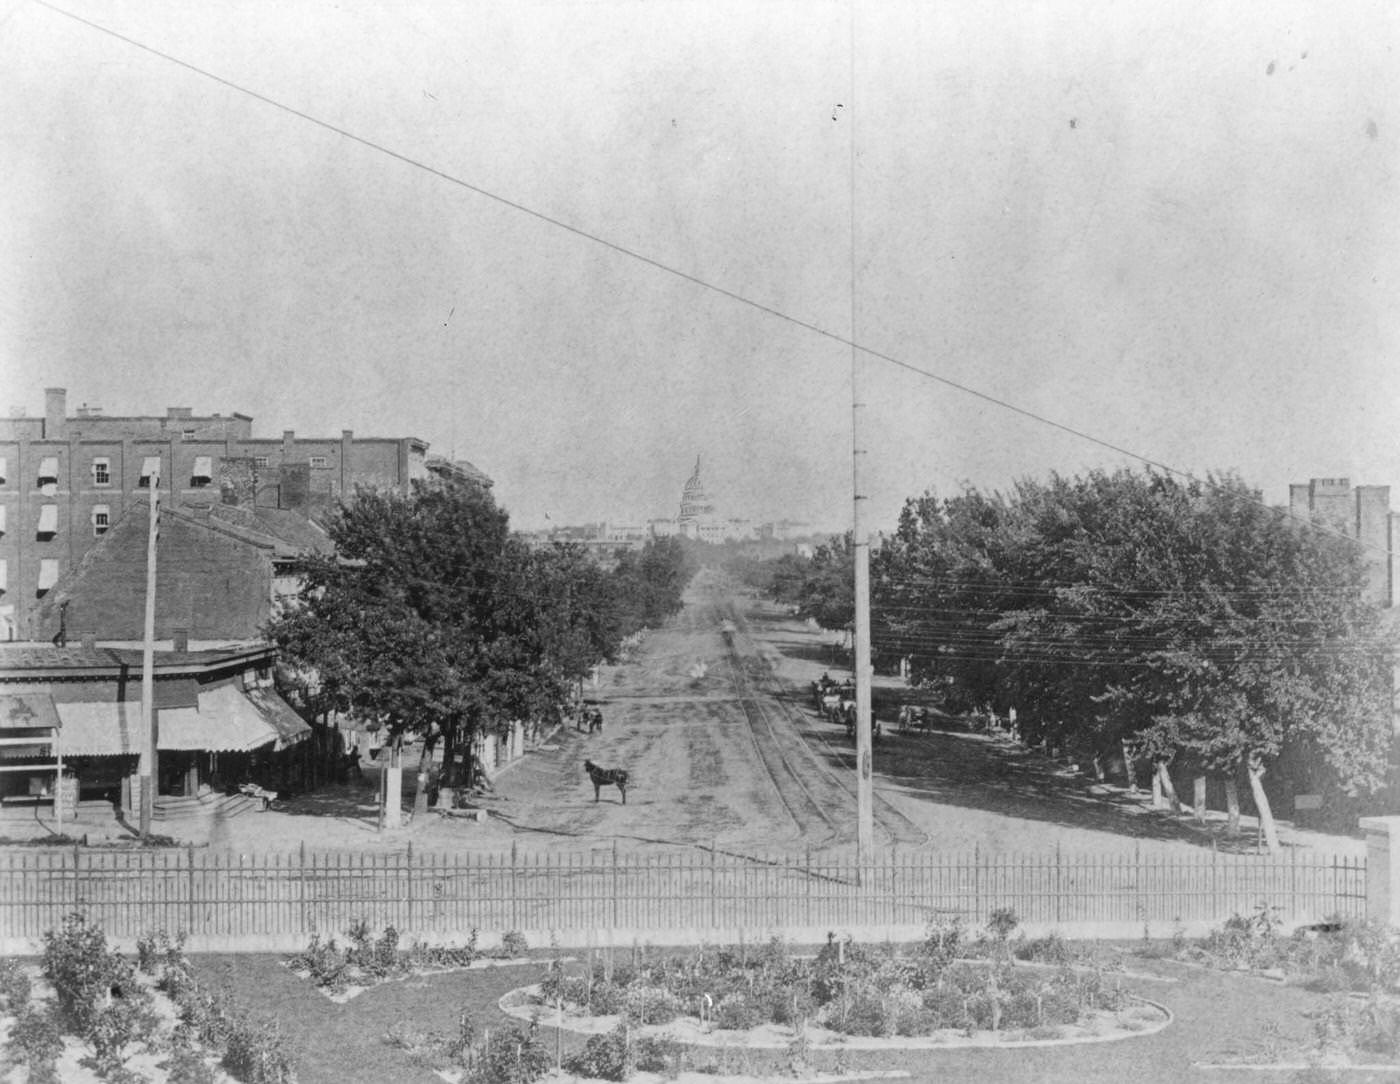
point(409, 873)
point(714, 888)
point(515, 887)
point(614, 882)
point(807, 901)
point(1382, 869)
point(77, 883)
point(301, 893)
point(1059, 889)
point(1137, 882)
point(976, 883)
point(189, 889)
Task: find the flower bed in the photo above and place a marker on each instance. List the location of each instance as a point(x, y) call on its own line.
point(342, 971)
point(88, 1013)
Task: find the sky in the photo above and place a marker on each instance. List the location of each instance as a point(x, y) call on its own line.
point(583, 244)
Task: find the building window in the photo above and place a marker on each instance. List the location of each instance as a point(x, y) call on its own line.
point(48, 520)
point(2, 519)
point(259, 460)
point(102, 471)
point(150, 468)
point(4, 575)
point(48, 573)
point(203, 472)
point(187, 434)
point(319, 461)
point(4, 470)
point(101, 519)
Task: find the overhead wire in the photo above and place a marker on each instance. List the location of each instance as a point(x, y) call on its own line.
point(676, 272)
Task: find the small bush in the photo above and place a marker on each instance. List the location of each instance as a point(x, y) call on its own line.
point(188, 1064)
point(76, 960)
point(37, 1038)
point(604, 1057)
point(514, 945)
point(738, 1012)
point(650, 1005)
point(15, 987)
point(255, 1052)
point(512, 1055)
point(659, 1054)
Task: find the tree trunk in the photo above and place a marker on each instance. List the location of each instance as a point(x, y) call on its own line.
point(1129, 768)
point(425, 768)
point(1255, 771)
point(1232, 806)
point(1198, 799)
point(392, 791)
point(1164, 787)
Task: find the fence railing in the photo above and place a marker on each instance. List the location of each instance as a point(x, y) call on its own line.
point(227, 896)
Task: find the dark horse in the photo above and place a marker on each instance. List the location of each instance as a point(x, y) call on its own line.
point(603, 776)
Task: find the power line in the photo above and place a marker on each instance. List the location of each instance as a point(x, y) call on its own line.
point(668, 269)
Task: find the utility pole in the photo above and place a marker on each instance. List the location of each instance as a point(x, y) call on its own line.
point(148, 635)
point(865, 792)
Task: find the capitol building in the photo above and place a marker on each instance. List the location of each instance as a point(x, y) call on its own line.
point(698, 518)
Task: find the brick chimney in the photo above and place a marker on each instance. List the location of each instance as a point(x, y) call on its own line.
point(55, 412)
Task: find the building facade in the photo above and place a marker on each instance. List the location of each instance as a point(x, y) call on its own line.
point(66, 479)
point(1361, 512)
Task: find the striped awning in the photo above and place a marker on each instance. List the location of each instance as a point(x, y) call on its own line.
point(99, 728)
point(291, 728)
point(225, 721)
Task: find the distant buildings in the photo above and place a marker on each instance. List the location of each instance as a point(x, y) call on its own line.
point(697, 519)
point(1363, 513)
point(67, 480)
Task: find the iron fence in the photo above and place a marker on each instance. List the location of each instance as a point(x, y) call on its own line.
point(232, 896)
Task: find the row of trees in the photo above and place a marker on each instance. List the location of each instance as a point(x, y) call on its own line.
point(1183, 622)
point(432, 619)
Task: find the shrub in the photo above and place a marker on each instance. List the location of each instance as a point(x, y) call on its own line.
point(943, 941)
point(659, 1054)
point(125, 1021)
point(188, 1064)
point(82, 970)
point(512, 1055)
point(14, 987)
point(650, 1005)
point(604, 1057)
point(1051, 949)
point(738, 1012)
point(255, 1053)
point(38, 1039)
point(514, 945)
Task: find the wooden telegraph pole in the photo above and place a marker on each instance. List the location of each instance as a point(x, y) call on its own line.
point(148, 635)
point(865, 793)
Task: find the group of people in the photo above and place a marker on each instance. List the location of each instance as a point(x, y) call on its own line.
point(590, 720)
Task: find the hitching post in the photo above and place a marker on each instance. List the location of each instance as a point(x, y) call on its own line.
point(1382, 869)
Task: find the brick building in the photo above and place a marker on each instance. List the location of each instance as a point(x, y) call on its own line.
point(66, 480)
point(1363, 513)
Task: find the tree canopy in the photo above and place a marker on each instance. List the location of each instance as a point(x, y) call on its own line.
point(1185, 617)
point(432, 619)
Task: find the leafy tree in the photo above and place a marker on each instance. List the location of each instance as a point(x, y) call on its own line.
point(430, 619)
point(1184, 618)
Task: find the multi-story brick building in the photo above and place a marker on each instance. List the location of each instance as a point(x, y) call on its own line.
point(1363, 512)
point(66, 479)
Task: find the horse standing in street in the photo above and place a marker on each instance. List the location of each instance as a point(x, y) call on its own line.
point(603, 777)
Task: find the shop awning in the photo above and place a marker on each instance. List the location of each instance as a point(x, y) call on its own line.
point(48, 469)
point(99, 729)
point(225, 721)
point(48, 572)
point(150, 468)
point(48, 518)
point(26, 710)
point(203, 467)
point(291, 728)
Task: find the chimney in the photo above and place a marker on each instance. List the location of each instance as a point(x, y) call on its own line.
point(181, 638)
point(179, 412)
point(55, 412)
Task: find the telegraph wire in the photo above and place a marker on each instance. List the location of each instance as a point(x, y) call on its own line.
point(668, 269)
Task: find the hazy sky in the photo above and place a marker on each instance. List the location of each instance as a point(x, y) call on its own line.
point(1172, 226)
